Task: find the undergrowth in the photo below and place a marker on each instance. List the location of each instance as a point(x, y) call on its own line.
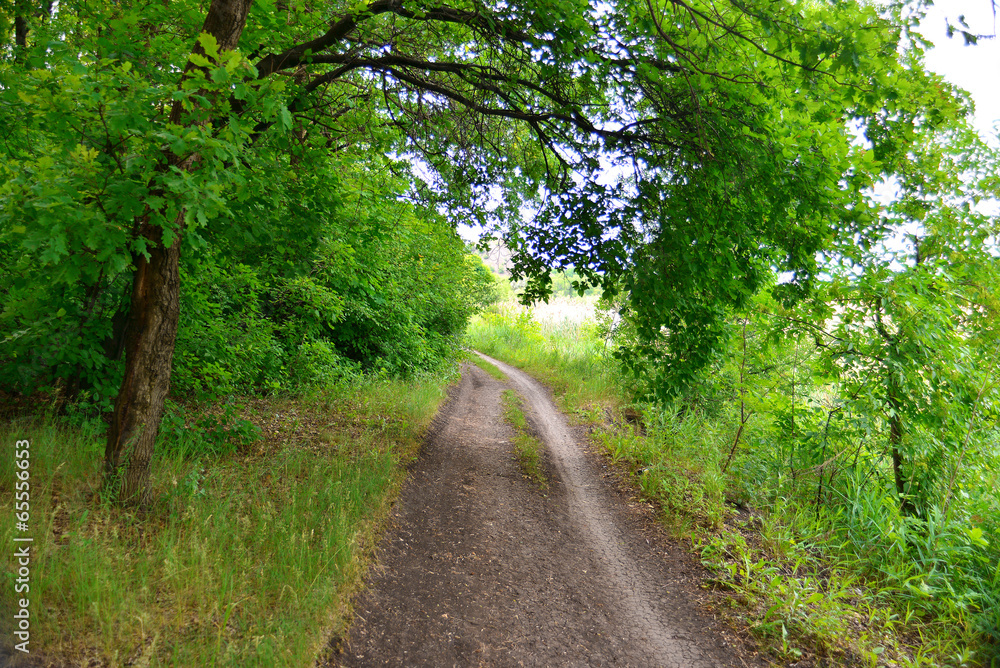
point(846, 581)
point(257, 538)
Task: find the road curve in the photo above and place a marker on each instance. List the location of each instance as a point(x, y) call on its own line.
point(647, 622)
point(481, 568)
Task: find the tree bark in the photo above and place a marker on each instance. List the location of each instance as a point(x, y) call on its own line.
point(151, 331)
point(20, 31)
point(22, 9)
point(149, 351)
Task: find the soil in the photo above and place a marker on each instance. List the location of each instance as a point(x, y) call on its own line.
point(483, 568)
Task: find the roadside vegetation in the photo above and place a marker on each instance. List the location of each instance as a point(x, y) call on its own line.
point(309, 360)
point(563, 353)
point(790, 510)
point(253, 546)
point(527, 448)
point(232, 291)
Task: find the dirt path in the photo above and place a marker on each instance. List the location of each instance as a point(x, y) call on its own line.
point(482, 568)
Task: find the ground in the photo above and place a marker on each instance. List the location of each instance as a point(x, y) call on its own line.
point(484, 568)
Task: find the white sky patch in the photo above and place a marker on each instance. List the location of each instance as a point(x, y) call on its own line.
point(975, 68)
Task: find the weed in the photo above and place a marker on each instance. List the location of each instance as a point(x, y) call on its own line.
point(244, 559)
point(527, 448)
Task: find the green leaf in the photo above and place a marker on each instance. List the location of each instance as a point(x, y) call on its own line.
point(200, 60)
point(210, 45)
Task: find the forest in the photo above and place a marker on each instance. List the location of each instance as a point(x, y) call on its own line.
point(233, 295)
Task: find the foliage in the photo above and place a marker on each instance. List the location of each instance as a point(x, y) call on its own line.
point(675, 153)
point(764, 164)
point(802, 528)
point(389, 289)
point(872, 403)
point(906, 324)
point(293, 259)
point(825, 459)
point(225, 344)
point(253, 554)
point(724, 125)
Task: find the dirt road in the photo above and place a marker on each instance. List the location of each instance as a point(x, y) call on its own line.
point(483, 568)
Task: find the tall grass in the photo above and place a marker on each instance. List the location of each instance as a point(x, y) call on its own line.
point(243, 560)
point(566, 354)
point(847, 580)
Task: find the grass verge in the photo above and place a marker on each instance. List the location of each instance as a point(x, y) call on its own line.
point(527, 448)
point(487, 367)
point(246, 559)
point(783, 573)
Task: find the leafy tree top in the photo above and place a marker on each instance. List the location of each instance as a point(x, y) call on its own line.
point(677, 151)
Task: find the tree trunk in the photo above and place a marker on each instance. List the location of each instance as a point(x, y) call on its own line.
point(149, 351)
point(20, 31)
point(155, 308)
point(21, 11)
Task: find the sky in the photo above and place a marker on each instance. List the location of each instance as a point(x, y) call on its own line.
point(974, 68)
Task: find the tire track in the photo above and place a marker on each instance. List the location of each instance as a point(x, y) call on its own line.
point(666, 644)
point(482, 569)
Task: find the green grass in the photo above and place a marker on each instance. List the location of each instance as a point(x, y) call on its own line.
point(570, 358)
point(839, 586)
point(487, 367)
point(248, 559)
point(527, 448)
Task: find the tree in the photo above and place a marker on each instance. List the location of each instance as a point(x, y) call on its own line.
point(760, 107)
point(908, 327)
point(730, 119)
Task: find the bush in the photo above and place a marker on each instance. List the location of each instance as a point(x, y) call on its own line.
point(318, 364)
point(224, 343)
point(191, 436)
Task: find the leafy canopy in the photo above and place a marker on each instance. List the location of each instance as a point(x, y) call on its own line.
point(679, 153)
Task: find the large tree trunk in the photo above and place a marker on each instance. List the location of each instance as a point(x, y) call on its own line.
point(155, 308)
